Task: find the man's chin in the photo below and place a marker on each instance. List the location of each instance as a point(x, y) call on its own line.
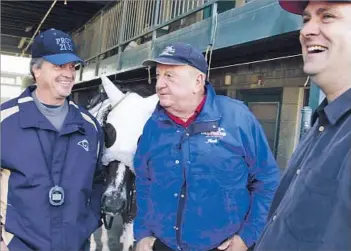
point(164, 103)
point(64, 94)
point(311, 70)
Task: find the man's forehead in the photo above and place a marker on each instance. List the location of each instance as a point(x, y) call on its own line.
point(173, 68)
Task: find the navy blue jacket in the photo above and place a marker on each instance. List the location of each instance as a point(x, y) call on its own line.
point(312, 206)
point(31, 149)
point(199, 185)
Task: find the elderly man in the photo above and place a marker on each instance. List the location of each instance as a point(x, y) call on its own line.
point(50, 149)
point(205, 175)
point(312, 206)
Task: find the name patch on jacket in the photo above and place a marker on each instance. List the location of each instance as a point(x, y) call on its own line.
point(213, 136)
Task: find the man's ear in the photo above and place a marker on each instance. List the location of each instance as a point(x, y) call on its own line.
point(200, 81)
point(36, 72)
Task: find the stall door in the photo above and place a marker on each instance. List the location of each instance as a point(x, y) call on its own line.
point(265, 104)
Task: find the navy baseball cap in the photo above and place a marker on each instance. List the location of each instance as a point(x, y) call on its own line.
point(56, 47)
point(180, 54)
point(298, 6)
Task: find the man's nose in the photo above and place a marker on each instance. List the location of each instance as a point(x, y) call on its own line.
point(310, 28)
point(160, 83)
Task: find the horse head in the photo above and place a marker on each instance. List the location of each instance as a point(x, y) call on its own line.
point(122, 116)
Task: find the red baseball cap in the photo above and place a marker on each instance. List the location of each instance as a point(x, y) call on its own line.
point(294, 6)
point(298, 6)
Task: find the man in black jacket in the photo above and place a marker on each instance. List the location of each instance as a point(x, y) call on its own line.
point(311, 208)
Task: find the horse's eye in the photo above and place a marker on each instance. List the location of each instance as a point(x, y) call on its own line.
point(110, 135)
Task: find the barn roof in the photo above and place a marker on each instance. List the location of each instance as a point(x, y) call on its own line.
point(20, 19)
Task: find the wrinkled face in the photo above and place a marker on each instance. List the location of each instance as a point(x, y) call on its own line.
point(56, 81)
point(176, 85)
point(326, 39)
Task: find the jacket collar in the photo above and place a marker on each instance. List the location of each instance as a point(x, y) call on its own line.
point(208, 113)
point(30, 116)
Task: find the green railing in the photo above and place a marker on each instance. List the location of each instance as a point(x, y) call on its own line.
point(129, 20)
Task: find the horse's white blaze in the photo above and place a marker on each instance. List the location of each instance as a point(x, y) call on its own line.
point(118, 180)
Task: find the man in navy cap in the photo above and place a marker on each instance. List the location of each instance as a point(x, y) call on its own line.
point(51, 181)
point(205, 175)
point(312, 206)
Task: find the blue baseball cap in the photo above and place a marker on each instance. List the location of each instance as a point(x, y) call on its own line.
point(180, 54)
point(56, 47)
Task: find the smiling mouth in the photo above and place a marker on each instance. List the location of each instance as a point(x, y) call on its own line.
point(316, 49)
point(65, 83)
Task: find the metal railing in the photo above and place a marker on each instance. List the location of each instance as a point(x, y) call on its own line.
point(128, 20)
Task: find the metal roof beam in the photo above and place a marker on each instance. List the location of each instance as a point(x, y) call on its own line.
point(35, 33)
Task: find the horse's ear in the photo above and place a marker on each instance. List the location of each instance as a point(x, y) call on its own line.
point(113, 93)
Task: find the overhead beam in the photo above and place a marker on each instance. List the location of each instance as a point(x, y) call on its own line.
point(21, 43)
point(18, 32)
point(42, 21)
point(13, 36)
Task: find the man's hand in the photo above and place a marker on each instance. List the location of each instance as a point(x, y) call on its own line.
point(146, 244)
point(233, 244)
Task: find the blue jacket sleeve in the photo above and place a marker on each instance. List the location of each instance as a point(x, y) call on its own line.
point(142, 183)
point(263, 180)
point(99, 180)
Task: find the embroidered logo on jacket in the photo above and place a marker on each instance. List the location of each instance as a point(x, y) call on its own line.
point(213, 136)
point(85, 144)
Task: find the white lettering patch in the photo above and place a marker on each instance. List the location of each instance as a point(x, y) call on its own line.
point(65, 44)
point(213, 136)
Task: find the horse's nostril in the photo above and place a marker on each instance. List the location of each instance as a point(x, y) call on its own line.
point(119, 205)
point(113, 206)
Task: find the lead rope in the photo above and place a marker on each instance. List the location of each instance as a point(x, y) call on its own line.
point(149, 74)
point(211, 46)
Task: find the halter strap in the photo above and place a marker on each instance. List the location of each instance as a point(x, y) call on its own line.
point(110, 108)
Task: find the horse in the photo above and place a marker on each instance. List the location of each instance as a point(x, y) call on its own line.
point(122, 117)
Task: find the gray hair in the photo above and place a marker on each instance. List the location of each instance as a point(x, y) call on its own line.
point(35, 63)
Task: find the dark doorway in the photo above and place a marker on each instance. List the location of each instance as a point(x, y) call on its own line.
point(265, 104)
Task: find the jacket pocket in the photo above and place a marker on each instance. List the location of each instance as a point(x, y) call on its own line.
point(312, 204)
point(163, 165)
